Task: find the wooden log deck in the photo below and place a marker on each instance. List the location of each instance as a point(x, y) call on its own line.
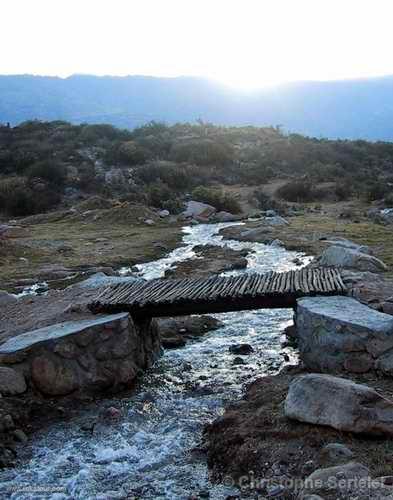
point(168, 297)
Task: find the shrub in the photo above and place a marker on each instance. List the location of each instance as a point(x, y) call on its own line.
point(158, 194)
point(388, 200)
point(266, 202)
point(18, 199)
point(174, 206)
point(132, 153)
point(343, 191)
point(298, 191)
point(177, 177)
point(375, 191)
point(217, 198)
point(202, 152)
point(50, 171)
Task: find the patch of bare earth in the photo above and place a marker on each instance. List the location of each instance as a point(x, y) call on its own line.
point(254, 439)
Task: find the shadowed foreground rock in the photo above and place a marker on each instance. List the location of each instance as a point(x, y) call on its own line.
point(339, 403)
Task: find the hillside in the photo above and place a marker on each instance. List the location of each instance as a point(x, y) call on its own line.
point(352, 109)
point(44, 165)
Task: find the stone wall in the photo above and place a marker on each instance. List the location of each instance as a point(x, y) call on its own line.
point(102, 353)
point(339, 334)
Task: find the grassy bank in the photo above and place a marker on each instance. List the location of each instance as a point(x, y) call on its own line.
point(75, 244)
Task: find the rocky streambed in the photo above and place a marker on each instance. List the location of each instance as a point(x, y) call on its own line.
point(149, 443)
point(214, 418)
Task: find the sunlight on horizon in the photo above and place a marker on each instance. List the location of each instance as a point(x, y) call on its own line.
point(245, 44)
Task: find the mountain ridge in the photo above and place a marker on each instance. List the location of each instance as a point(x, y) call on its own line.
point(347, 109)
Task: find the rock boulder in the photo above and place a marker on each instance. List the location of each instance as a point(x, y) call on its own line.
point(348, 244)
point(339, 334)
point(196, 209)
point(341, 480)
point(339, 256)
point(339, 403)
point(11, 382)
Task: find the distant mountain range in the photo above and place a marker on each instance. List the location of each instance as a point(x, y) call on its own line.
point(353, 109)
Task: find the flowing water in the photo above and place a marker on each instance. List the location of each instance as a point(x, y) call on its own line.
point(153, 450)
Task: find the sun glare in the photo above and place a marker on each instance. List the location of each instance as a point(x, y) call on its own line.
point(246, 44)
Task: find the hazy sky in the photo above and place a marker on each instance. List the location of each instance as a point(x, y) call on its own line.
point(246, 43)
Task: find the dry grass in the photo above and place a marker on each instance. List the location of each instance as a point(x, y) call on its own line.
point(75, 243)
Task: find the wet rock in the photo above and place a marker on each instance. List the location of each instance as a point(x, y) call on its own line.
point(172, 342)
point(7, 423)
point(173, 330)
point(20, 436)
point(260, 234)
point(336, 256)
point(11, 382)
point(163, 213)
point(238, 361)
point(339, 334)
point(242, 349)
point(6, 457)
point(88, 424)
point(112, 413)
point(339, 403)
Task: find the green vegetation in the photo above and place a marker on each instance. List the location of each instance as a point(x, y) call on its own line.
point(41, 163)
point(217, 198)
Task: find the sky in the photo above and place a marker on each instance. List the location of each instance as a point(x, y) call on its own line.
point(242, 43)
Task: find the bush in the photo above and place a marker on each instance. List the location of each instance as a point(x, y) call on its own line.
point(375, 191)
point(388, 200)
point(298, 191)
point(266, 202)
point(217, 198)
point(132, 154)
point(158, 194)
point(203, 152)
point(343, 191)
point(174, 206)
point(18, 199)
point(177, 177)
point(52, 172)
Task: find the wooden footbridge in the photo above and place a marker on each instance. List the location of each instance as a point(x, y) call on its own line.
point(168, 297)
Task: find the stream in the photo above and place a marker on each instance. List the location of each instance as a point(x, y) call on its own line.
point(153, 451)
